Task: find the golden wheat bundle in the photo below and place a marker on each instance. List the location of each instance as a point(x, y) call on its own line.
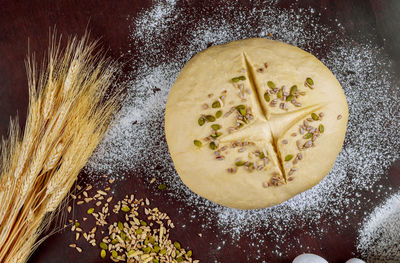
point(69, 111)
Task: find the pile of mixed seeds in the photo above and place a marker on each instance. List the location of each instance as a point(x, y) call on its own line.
point(136, 238)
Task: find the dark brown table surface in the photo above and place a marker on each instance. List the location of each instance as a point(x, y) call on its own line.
point(375, 20)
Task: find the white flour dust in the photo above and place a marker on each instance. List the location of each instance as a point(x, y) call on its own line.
point(136, 141)
point(380, 235)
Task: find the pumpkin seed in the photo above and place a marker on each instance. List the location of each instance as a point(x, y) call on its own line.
point(155, 260)
point(114, 241)
point(103, 253)
point(146, 250)
point(139, 231)
point(90, 210)
point(262, 155)
point(314, 116)
point(308, 135)
point(210, 118)
point(239, 163)
point(201, 121)
point(77, 224)
point(103, 245)
point(271, 85)
point(143, 223)
point(242, 78)
point(213, 146)
point(215, 127)
point(310, 81)
point(179, 259)
point(189, 253)
point(120, 225)
point(114, 254)
point(280, 94)
point(177, 245)
point(243, 111)
point(289, 98)
point(216, 135)
point(241, 106)
point(162, 187)
point(238, 78)
point(123, 236)
point(321, 128)
point(163, 251)
point(130, 253)
point(267, 97)
point(288, 157)
point(156, 248)
point(216, 104)
point(197, 143)
point(125, 208)
point(218, 114)
point(293, 89)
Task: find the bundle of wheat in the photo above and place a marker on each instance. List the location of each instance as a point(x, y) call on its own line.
point(69, 112)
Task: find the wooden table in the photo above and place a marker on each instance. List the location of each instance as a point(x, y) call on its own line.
point(20, 21)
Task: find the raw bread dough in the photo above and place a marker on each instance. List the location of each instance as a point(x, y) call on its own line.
point(240, 73)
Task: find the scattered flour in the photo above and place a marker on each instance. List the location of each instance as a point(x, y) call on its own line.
point(136, 140)
point(380, 235)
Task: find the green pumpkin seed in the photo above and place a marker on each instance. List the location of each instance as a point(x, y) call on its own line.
point(114, 254)
point(123, 235)
point(280, 94)
point(262, 155)
point(77, 224)
point(289, 98)
point(242, 78)
point(216, 135)
point(103, 253)
point(267, 98)
point(103, 245)
point(125, 208)
point(139, 231)
point(163, 251)
point(218, 114)
point(156, 249)
point(321, 128)
point(189, 253)
point(90, 210)
point(288, 157)
point(177, 245)
point(215, 127)
point(216, 104)
point(314, 116)
point(293, 89)
point(120, 225)
point(243, 112)
point(114, 241)
point(146, 250)
point(155, 260)
point(308, 135)
point(271, 85)
point(213, 146)
point(310, 81)
point(210, 118)
point(143, 223)
point(179, 259)
point(201, 121)
point(130, 253)
point(238, 78)
point(197, 143)
point(162, 187)
point(239, 163)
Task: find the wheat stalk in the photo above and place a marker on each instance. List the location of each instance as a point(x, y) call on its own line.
point(68, 114)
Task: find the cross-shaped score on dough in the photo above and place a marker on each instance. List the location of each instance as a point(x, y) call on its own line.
point(269, 127)
point(254, 122)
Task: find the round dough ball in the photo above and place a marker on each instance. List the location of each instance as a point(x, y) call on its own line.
point(254, 122)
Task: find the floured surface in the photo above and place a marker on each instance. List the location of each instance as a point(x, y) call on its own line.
point(371, 144)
